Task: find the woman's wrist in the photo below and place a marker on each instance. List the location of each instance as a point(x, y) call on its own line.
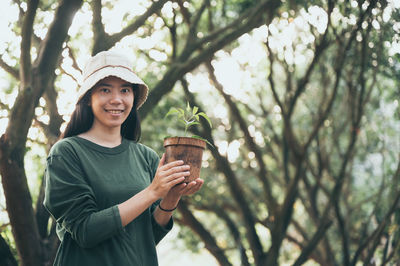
point(151, 194)
point(168, 204)
point(165, 209)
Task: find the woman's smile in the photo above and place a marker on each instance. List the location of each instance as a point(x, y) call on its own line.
point(114, 111)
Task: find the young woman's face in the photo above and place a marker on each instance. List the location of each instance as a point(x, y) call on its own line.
point(111, 101)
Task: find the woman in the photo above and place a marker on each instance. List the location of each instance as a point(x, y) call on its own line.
point(111, 196)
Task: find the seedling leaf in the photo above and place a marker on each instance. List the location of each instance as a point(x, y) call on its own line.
point(198, 137)
point(172, 111)
point(195, 109)
point(206, 117)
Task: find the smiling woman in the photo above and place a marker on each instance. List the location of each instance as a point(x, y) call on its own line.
point(104, 73)
point(104, 189)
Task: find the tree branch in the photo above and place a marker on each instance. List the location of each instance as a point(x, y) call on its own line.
point(73, 58)
point(223, 166)
point(374, 236)
point(325, 220)
point(324, 114)
point(316, 256)
point(68, 74)
point(321, 46)
point(9, 69)
point(344, 233)
point(307, 250)
point(99, 33)
point(271, 78)
point(195, 22)
point(109, 41)
point(338, 70)
point(26, 33)
point(185, 13)
point(172, 30)
point(284, 216)
point(4, 106)
point(211, 245)
point(235, 233)
point(245, 18)
point(263, 173)
point(184, 64)
point(51, 47)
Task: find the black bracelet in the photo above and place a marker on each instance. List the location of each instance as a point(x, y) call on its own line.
point(166, 210)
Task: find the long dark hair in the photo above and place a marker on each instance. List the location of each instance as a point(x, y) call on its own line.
point(82, 119)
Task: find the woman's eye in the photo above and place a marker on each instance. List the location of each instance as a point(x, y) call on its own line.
point(126, 90)
point(105, 90)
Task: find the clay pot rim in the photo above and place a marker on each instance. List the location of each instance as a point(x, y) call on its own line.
point(169, 141)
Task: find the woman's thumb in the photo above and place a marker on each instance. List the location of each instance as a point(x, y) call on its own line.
point(162, 160)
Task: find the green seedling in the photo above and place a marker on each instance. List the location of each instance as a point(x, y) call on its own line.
point(189, 117)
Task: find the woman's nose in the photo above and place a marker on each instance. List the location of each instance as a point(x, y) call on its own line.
point(115, 98)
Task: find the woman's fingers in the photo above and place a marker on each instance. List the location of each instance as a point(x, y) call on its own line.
point(189, 188)
point(174, 167)
point(184, 169)
point(174, 170)
point(177, 181)
point(172, 177)
point(193, 186)
point(169, 175)
point(170, 164)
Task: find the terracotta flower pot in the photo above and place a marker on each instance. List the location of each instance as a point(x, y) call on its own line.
point(190, 150)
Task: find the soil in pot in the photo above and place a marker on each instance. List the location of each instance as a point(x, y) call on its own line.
point(189, 150)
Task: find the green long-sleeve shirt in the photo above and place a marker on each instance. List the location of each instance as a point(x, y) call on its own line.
point(84, 184)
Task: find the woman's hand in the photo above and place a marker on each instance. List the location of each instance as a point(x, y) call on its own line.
point(187, 188)
point(170, 201)
point(183, 189)
point(168, 176)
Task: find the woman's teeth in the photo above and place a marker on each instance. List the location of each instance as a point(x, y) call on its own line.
point(114, 111)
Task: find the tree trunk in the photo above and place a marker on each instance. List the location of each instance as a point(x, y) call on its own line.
point(19, 203)
point(6, 257)
point(16, 190)
point(34, 79)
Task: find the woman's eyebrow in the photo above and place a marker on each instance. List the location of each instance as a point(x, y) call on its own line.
point(127, 85)
point(103, 84)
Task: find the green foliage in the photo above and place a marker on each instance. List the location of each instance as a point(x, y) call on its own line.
point(189, 117)
point(240, 5)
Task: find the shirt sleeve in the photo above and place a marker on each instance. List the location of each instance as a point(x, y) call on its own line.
point(159, 232)
point(71, 201)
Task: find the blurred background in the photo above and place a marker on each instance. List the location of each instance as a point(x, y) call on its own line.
point(304, 166)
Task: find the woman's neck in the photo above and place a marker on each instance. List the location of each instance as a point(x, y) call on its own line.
point(106, 138)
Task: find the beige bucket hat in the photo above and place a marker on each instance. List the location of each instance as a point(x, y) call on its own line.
point(109, 63)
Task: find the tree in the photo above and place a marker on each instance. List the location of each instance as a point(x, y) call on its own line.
point(36, 79)
point(296, 175)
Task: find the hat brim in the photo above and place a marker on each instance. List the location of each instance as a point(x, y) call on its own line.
point(120, 72)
